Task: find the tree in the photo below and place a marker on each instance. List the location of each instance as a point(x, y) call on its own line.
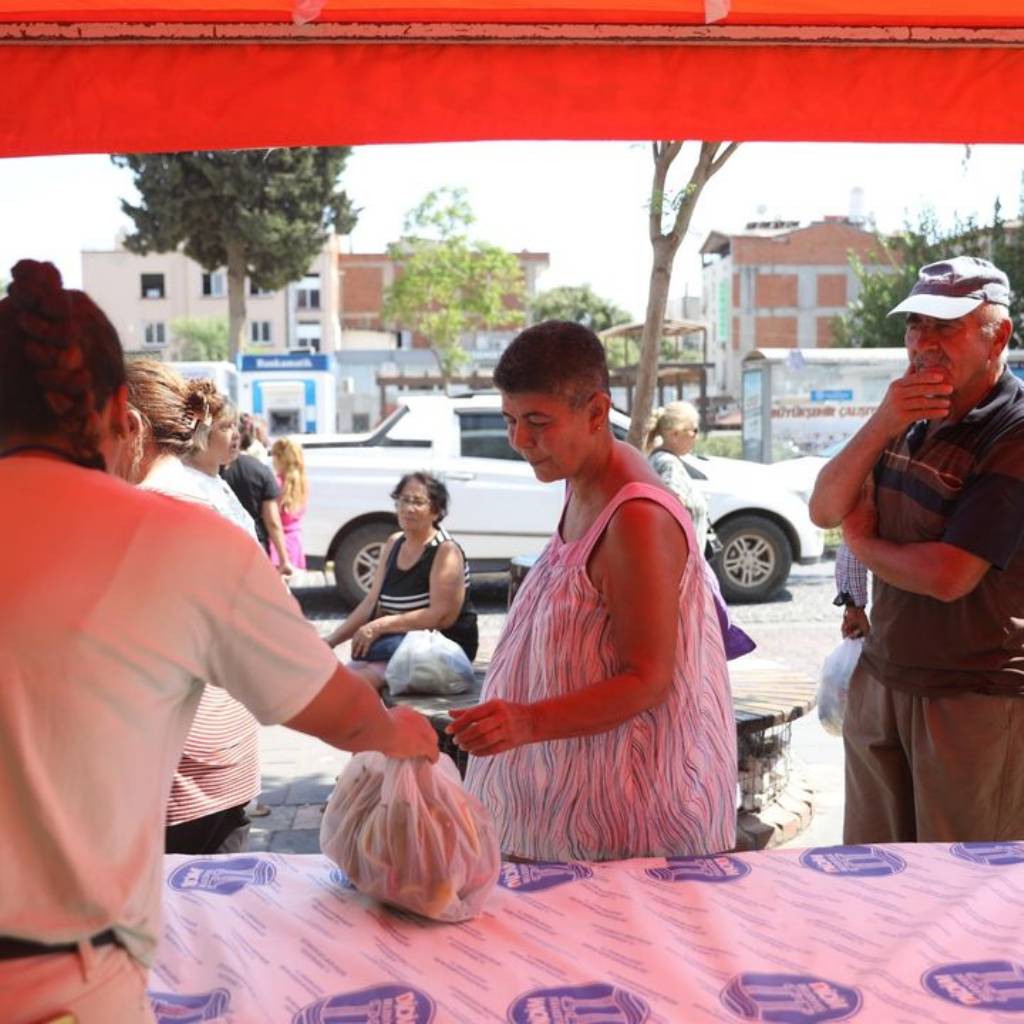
point(201, 338)
point(866, 323)
point(446, 283)
point(579, 304)
point(261, 214)
point(677, 210)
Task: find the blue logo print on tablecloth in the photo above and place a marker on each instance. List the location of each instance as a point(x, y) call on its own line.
point(700, 869)
point(853, 861)
point(223, 875)
point(540, 875)
point(170, 1008)
point(790, 998)
point(981, 985)
point(379, 1004)
point(339, 878)
point(579, 1004)
point(992, 855)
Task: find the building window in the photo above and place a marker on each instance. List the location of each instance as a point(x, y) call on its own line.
point(154, 335)
point(153, 286)
point(259, 332)
point(215, 284)
point(308, 293)
point(307, 337)
point(257, 292)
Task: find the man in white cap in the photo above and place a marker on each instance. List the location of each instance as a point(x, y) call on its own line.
point(930, 494)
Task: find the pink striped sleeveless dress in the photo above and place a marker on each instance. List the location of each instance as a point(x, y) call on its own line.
point(662, 783)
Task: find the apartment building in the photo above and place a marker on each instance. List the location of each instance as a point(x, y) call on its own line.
point(145, 296)
point(778, 284)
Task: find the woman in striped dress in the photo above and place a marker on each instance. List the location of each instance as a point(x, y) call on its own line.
point(606, 727)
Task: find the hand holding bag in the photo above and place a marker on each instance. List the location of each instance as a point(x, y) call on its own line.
point(406, 833)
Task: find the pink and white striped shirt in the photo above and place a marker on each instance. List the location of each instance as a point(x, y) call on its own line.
point(662, 783)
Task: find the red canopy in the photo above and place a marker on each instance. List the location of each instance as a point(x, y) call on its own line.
point(89, 76)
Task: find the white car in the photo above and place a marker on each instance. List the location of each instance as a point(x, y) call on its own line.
point(499, 509)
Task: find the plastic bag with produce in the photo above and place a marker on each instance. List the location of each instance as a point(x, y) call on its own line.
point(408, 834)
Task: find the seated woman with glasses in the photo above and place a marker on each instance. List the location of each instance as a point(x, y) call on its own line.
point(422, 582)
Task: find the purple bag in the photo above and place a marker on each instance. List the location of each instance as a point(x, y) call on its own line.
point(736, 642)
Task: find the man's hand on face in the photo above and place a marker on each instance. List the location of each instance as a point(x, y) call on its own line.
point(917, 395)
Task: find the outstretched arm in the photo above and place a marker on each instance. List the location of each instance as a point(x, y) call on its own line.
point(348, 713)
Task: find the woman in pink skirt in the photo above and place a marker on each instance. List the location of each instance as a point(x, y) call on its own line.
point(290, 467)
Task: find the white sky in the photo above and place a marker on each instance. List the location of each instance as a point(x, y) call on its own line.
point(582, 202)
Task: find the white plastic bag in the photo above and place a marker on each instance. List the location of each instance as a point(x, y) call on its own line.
point(428, 662)
point(407, 833)
point(835, 682)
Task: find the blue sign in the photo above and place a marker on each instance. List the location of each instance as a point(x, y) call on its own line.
point(576, 1004)
point(540, 875)
point(171, 1008)
point(981, 985)
point(839, 395)
point(700, 869)
point(379, 1004)
point(853, 861)
point(989, 854)
point(222, 875)
point(790, 998)
point(289, 361)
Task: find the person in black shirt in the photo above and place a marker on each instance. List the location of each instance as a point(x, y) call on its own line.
point(256, 488)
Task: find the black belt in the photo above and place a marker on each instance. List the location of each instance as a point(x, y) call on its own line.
point(14, 949)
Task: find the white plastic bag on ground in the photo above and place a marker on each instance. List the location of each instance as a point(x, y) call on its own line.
point(407, 833)
point(835, 683)
point(428, 662)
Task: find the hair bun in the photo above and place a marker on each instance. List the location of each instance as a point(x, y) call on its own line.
point(38, 288)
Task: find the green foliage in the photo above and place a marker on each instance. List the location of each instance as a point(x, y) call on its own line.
point(260, 213)
point(579, 304)
point(727, 445)
point(626, 352)
point(447, 284)
point(201, 338)
point(866, 323)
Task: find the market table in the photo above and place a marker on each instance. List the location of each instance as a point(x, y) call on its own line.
point(889, 934)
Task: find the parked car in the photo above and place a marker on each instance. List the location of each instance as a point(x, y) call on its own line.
point(499, 509)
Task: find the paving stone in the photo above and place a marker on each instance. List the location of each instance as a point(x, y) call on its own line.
point(306, 840)
point(309, 816)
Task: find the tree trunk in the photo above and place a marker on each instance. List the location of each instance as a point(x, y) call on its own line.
point(664, 246)
point(650, 340)
point(236, 299)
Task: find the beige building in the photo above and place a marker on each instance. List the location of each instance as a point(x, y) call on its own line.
point(145, 295)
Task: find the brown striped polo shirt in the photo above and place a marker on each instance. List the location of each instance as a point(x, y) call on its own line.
point(964, 486)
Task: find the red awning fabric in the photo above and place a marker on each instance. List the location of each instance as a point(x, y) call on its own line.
point(84, 76)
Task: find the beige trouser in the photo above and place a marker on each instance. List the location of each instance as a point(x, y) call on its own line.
point(97, 986)
point(931, 769)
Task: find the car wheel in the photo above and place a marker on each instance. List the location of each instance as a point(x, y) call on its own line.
point(356, 558)
point(754, 561)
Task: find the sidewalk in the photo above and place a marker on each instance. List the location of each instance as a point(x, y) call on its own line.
point(299, 771)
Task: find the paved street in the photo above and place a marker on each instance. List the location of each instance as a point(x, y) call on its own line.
point(797, 629)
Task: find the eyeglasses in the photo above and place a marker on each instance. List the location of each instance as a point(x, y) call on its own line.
point(411, 502)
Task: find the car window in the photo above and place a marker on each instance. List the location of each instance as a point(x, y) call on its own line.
point(483, 435)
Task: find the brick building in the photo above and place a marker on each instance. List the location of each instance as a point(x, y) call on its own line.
point(362, 281)
point(778, 285)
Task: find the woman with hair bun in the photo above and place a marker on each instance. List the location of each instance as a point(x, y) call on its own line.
point(676, 426)
point(120, 607)
point(173, 420)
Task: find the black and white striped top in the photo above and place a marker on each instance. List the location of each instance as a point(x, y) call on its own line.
point(408, 590)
